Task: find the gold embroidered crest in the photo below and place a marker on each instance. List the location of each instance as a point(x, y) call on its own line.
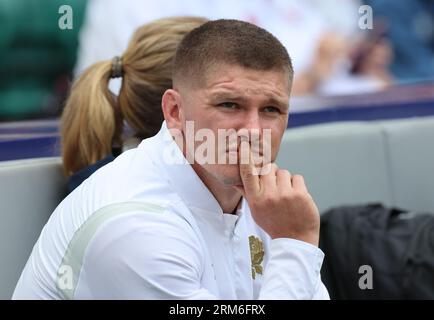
point(256, 254)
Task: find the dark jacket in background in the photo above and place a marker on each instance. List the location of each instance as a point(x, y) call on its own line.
point(77, 178)
point(397, 245)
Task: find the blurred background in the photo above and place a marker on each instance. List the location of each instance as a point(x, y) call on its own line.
point(344, 54)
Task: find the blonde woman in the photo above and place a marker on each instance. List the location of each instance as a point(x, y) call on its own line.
point(95, 121)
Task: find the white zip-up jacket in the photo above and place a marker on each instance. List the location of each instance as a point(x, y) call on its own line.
point(143, 227)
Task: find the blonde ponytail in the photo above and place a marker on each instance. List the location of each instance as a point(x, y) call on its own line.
point(91, 121)
point(93, 118)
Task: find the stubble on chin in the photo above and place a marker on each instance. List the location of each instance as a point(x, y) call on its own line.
point(232, 181)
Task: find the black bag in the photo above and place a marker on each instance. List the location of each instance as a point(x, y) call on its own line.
point(399, 246)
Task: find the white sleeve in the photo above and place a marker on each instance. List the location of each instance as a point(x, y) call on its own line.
point(153, 258)
point(293, 271)
point(160, 258)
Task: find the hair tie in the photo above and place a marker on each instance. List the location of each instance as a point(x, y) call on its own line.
point(117, 71)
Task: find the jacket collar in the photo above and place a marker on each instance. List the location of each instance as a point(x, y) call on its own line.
point(180, 174)
point(184, 181)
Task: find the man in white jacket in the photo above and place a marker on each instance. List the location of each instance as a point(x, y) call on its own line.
point(159, 222)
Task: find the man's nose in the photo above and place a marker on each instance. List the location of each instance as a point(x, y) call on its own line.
point(250, 127)
point(251, 121)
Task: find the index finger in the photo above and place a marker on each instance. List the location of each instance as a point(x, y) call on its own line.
point(248, 171)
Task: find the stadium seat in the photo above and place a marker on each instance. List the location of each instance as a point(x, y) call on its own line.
point(36, 56)
point(29, 192)
point(389, 161)
point(410, 151)
point(342, 163)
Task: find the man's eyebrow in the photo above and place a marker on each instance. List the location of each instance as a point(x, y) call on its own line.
point(235, 96)
point(283, 103)
point(227, 95)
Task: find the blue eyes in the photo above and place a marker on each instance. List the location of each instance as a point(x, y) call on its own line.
point(228, 105)
point(233, 106)
point(271, 109)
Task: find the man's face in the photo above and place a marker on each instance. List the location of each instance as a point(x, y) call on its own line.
point(246, 100)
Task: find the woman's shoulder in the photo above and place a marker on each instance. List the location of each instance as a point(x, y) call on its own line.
point(77, 178)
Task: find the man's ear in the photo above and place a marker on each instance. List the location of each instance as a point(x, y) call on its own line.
point(171, 105)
